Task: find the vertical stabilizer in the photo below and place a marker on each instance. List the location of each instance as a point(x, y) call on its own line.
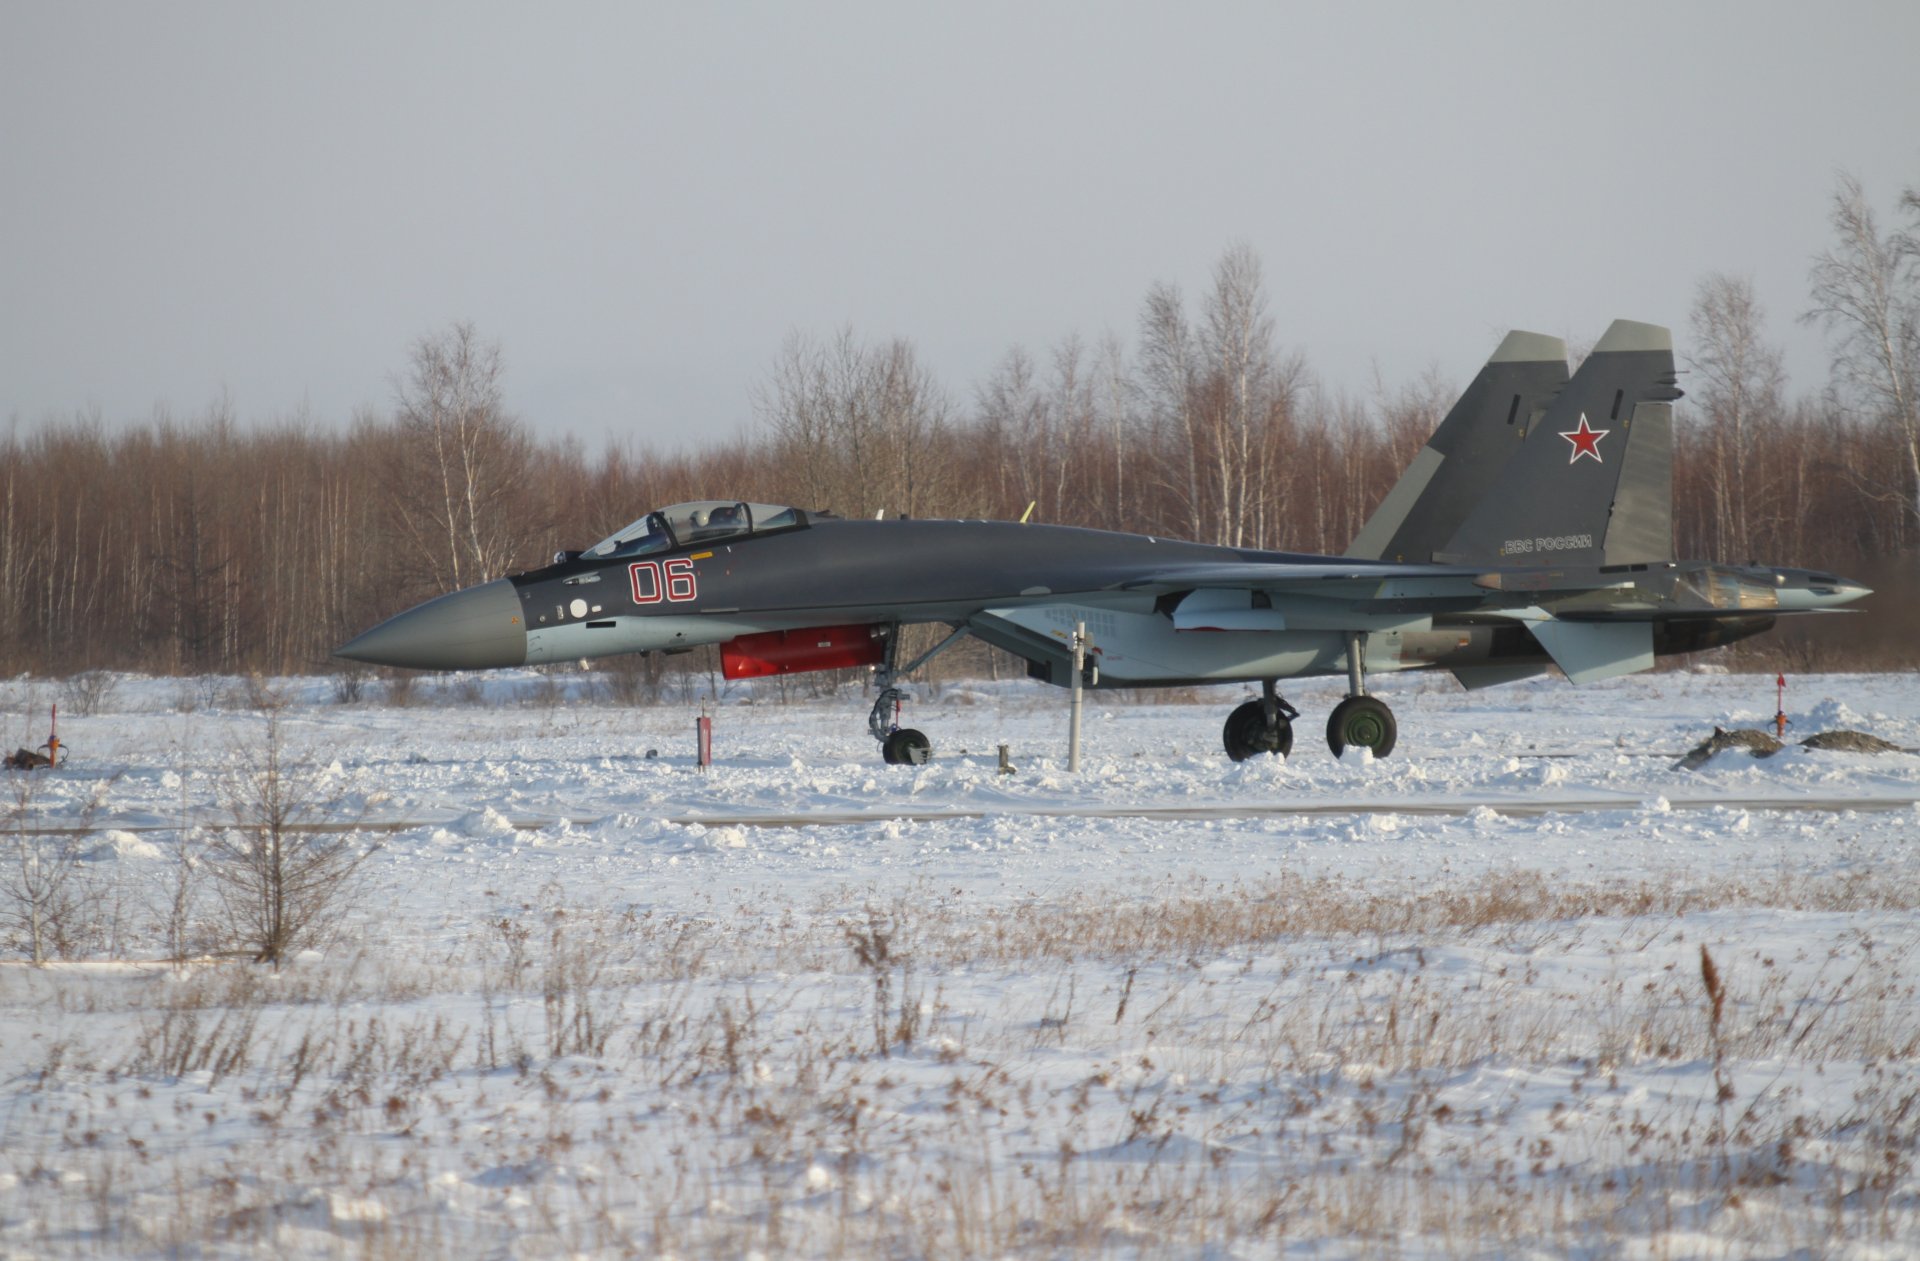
point(1592, 484)
point(1454, 471)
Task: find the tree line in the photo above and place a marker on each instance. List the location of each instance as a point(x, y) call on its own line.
point(203, 545)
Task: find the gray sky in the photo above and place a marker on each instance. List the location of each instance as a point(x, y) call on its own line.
point(640, 202)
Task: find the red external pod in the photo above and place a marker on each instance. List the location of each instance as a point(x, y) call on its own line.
point(799, 651)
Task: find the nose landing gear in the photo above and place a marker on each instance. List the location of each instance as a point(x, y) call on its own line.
point(906, 747)
point(901, 746)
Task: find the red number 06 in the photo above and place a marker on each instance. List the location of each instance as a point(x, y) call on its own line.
point(675, 581)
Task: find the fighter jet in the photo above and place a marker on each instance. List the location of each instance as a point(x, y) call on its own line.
point(1533, 530)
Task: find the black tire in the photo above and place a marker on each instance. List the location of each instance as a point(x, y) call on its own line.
point(907, 747)
point(1364, 721)
point(1246, 733)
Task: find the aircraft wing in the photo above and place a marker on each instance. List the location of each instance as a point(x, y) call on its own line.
point(1300, 577)
point(1379, 597)
point(1353, 595)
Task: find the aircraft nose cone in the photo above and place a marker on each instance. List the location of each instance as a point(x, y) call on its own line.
point(476, 629)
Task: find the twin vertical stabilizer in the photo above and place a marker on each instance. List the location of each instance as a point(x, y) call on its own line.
point(1592, 484)
point(1531, 467)
point(1454, 471)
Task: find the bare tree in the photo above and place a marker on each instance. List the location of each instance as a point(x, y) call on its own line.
point(463, 460)
point(911, 414)
point(40, 894)
point(16, 559)
point(859, 428)
point(1741, 383)
point(1113, 395)
point(1237, 344)
point(1866, 294)
point(1011, 412)
point(1169, 378)
point(288, 856)
point(36, 896)
point(794, 402)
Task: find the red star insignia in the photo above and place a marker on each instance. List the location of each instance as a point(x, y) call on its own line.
point(1585, 440)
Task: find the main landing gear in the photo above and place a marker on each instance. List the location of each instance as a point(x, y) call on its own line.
point(901, 746)
point(1262, 726)
point(1360, 721)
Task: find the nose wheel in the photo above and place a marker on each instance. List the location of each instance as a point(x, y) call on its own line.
point(901, 746)
point(906, 747)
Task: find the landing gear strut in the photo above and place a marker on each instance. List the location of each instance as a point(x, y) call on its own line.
point(901, 746)
point(1360, 720)
point(1262, 726)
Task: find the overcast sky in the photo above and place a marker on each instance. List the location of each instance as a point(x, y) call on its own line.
point(639, 202)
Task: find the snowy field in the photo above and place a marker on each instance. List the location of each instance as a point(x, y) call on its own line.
point(1521, 989)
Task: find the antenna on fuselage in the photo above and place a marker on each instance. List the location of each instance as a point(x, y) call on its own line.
point(1031, 505)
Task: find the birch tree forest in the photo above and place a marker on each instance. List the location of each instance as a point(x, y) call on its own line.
point(191, 544)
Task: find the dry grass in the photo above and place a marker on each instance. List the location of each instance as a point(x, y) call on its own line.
point(1494, 1064)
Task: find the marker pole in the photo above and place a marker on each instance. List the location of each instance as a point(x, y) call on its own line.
point(1780, 706)
point(1073, 720)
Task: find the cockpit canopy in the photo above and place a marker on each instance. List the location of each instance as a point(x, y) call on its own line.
point(698, 521)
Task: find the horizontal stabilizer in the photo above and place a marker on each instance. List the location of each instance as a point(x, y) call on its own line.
point(1587, 652)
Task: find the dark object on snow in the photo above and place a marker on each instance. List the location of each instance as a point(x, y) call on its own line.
point(27, 760)
point(1762, 744)
point(1752, 739)
point(1852, 742)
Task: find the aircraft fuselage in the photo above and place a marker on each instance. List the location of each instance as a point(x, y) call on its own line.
point(1024, 587)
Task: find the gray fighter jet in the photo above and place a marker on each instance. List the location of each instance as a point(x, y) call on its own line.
point(1533, 530)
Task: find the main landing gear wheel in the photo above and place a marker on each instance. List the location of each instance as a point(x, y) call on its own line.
point(1364, 721)
point(1247, 732)
point(906, 747)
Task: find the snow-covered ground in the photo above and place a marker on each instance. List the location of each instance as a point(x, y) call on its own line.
point(1522, 987)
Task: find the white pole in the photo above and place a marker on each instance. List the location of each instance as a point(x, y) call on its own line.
point(1073, 722)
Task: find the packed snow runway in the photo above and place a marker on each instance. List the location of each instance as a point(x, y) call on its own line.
point(589, 998)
